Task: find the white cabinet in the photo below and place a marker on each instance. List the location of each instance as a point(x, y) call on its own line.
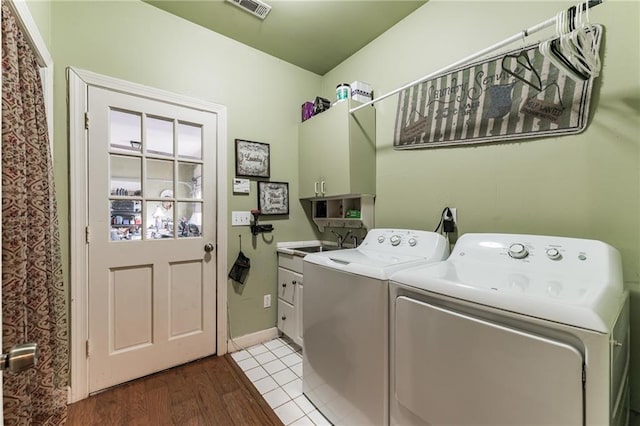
point(337, 152)
point(290, 286)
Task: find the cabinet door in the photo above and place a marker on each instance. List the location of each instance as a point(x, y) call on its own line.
point(287, 284)
point(323, 152)
point(287, 320)
point(311, 134)
point(335, 173)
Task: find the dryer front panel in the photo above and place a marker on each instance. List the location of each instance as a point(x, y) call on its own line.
point(450, 368)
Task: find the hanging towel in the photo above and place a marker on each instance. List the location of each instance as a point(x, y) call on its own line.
point(240, 268)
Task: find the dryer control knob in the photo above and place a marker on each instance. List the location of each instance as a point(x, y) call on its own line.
point(412, 242)
point(381, 239)
point(395, 240)
point(553, 254)
point(518, 251)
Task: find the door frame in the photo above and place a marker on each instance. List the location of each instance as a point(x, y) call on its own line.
point(78, 82)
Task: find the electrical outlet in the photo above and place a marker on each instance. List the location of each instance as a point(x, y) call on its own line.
point(240, 218)
point(267, 301)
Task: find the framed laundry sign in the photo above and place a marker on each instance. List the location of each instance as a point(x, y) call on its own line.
point(514, 95)
point(252, 159)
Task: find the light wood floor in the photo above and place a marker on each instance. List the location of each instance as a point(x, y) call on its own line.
point(211, 391)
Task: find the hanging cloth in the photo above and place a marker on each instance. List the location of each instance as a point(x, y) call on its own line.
point(241, 266)
point(33, 299)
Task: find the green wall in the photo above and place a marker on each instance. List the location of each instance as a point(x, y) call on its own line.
point(41, 13)
point(140, 43)
point(584, 186)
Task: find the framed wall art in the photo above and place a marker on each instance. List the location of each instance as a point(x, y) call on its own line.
point(252, 159)
point(273, 197)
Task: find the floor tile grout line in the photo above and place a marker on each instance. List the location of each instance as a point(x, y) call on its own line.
point(270, 375)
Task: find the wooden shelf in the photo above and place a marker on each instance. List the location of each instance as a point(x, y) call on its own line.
point(334, 211)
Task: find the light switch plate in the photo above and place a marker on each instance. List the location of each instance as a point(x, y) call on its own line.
point(240, 218)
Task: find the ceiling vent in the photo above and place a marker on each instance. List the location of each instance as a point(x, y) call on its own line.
point(255, 7)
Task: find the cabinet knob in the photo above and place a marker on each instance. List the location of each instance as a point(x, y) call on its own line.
point(284, 284)
point(294, 282)
point(284, 317)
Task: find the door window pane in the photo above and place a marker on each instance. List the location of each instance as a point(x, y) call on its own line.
point(189, 220)
point(125, 130)
point(126, 175)
point(159, 220)
point(190, 141)
point(159, 179)
point(189, 179)
point(126, 220)
point(159, 136)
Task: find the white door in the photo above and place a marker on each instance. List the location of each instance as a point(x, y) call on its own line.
point(152, 231)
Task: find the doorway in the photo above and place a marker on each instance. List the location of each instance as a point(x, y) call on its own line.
point(148, 212)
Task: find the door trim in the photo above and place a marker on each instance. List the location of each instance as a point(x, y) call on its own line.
point(78, 82)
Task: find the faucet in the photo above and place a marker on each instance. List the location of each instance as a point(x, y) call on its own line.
point(354, 240)
point(340, 238)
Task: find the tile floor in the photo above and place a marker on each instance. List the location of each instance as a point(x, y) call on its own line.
point(275, 369)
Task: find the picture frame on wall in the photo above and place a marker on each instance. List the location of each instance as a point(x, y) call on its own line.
point(252, 159)
point(273, 198)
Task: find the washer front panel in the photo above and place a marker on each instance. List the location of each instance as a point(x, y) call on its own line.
point(451, 368)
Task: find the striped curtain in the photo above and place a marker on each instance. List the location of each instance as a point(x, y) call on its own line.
point(33, 299)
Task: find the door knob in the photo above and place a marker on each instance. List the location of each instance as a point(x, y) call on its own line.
point(20, 358)
point(208, 247)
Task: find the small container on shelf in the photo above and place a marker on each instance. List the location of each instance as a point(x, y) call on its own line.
point(343, 92)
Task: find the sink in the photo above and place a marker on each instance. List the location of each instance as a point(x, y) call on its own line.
point(315, 249)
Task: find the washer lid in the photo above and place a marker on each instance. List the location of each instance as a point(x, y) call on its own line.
point(570, 281)
point(385, 251)
point(372, 264)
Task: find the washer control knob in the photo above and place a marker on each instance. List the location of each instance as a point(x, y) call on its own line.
point(395, 240)
point(381, 239)
point(413, 242)
point(518, 251)
point(553, 254)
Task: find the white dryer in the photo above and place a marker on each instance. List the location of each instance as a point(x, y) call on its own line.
point(511, 330)
point(346, 322)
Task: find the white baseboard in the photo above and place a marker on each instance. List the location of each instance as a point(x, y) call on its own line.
point(251, 339)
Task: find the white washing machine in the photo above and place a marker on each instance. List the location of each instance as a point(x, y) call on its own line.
point(346, 322)
point(511, 330)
